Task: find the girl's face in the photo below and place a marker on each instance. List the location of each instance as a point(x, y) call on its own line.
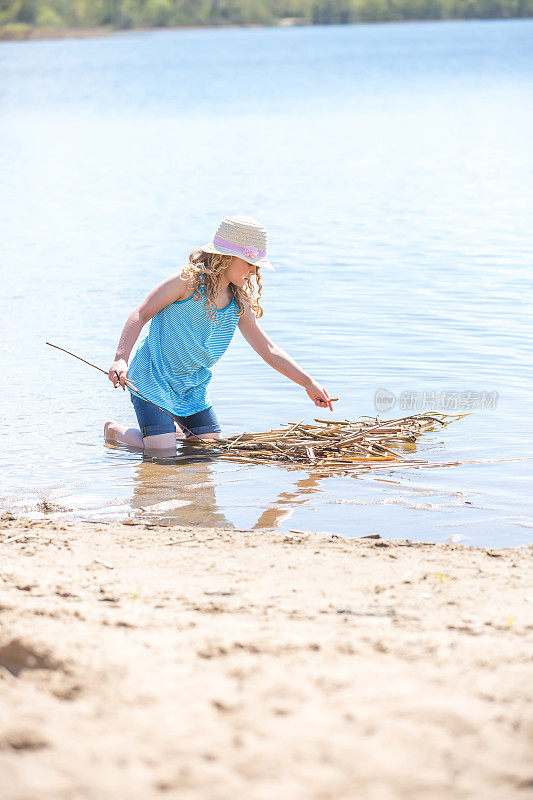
point(238, 271)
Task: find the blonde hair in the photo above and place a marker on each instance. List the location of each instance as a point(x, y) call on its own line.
point(205, 269)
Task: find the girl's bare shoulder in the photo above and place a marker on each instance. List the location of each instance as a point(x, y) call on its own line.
point(173, 288)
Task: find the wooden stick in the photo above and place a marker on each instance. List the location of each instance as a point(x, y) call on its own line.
point(130, 386)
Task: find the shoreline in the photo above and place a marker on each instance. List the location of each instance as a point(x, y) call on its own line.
point(142, 660)
point(31, 33)
point(22, 32)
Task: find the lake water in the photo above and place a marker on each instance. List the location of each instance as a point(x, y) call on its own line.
point(391, 165)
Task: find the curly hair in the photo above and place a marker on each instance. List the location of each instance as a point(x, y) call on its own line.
point(205, 269)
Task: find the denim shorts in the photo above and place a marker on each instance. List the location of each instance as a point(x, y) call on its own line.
point(152, 421)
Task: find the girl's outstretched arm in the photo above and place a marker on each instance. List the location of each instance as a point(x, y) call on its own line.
point(280, 360)
point(169, 290)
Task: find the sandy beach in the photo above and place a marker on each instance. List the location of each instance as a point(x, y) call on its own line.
point(140, 661)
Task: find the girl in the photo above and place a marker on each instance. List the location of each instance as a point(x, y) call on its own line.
point(194, 315)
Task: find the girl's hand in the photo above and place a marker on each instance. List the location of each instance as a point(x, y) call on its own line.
point(318, 395)
point(118, 372)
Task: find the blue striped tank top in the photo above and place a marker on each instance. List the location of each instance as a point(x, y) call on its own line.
point(172, 366)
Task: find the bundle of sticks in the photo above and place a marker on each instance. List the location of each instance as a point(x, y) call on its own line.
point(333, 446)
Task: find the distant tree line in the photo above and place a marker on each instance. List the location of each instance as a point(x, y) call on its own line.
point(161, 13)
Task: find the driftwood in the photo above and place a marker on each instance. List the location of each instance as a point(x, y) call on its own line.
point(327, 446)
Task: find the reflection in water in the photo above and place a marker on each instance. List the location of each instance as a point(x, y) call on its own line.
point(181, 490)
point(272, 516)
point(177, 494)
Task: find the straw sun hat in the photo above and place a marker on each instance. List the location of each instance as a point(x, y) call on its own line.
point(241, 236)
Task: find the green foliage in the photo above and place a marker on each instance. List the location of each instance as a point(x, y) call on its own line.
point(131, 14)
point(160, 13)
point(48, 17)
point(15, 30)
point(25, 11)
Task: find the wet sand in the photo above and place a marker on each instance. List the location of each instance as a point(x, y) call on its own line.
point(140, 661)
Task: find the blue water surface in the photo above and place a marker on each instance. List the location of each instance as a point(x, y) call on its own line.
point(392, 166)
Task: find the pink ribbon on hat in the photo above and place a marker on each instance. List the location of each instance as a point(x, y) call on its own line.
point(249, 250)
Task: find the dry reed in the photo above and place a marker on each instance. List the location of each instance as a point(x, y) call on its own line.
point(331, 446)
